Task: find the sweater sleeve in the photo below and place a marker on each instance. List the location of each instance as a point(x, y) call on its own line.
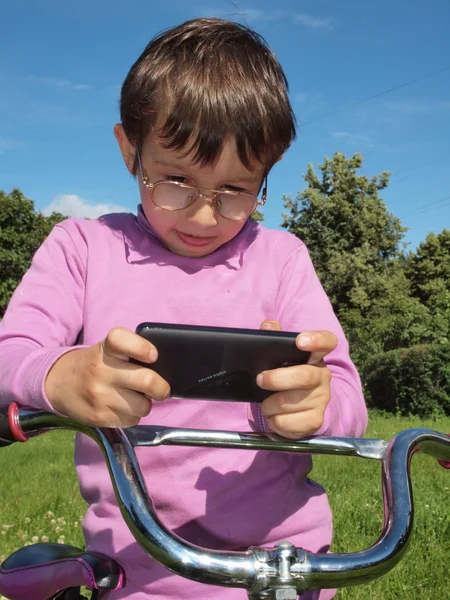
point(43, 320)
point(302, 305)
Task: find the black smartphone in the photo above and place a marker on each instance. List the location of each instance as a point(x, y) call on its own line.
point(219, 363)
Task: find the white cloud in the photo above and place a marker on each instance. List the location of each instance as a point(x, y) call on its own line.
point(9, 144)
point(235, 11)
point(72, 205)
point(259, 15)
point(354, 139)
point(256, 14)
point(311, 22)
point(60, 83)
point(301, 97)
point(80, 86)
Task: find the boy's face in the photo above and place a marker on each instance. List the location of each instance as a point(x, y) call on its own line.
point(198, 229)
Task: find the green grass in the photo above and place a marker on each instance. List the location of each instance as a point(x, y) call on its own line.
point(40, 501)
point(40, 495)
point(354, 489)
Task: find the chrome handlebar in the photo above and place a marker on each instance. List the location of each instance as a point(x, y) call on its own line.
point(278, 573)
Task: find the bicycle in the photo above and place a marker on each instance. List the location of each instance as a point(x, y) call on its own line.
point(57, 571)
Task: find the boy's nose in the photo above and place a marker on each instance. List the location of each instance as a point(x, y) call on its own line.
point(202, 211)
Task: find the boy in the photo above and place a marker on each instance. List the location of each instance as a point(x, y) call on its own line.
point(205, 115)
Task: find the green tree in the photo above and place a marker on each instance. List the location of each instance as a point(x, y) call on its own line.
point(413, 380)
point(351, 236)
point(394, 320)
point(356, 247)
point(428, 270)
point(257, 216)
point(430, 262)
point(22, 231)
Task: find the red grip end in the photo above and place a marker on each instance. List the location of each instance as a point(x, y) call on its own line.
point(13, 421)
point(444, 463)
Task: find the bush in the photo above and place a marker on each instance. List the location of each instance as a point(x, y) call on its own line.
point(410, 381)
point(22, 231)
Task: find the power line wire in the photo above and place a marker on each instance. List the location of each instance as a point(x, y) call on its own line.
point(420, 172)
point(429, 189)
point(430, 161)
point(429, 206)
point(374, 96)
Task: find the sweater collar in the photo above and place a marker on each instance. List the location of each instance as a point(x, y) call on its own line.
point(148, 247)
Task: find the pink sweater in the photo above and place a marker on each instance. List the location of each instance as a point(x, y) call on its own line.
point(91, 276)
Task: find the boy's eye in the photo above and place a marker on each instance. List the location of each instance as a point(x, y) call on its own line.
point(232, 188)
point(177, 178)
point(225, 187)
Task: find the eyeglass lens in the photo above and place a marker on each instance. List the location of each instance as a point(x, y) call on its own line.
point(170, 196)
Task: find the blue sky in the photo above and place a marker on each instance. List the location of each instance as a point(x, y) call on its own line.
point(62, 65)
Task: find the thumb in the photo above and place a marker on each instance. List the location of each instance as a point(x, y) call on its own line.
point(270, 325)
point(319, 343)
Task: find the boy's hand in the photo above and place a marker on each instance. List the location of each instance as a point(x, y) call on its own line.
point(302, 392)
point(98, 385)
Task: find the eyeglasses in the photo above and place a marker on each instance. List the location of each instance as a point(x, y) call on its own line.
point(173, 195)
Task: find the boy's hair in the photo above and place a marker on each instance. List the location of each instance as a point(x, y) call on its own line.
point(204, 81)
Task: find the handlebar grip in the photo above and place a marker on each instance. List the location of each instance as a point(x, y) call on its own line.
point(10, 430)
point(445, 463)
point(6, 435)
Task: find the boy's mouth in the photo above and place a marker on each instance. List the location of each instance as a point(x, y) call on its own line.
point(194, 240)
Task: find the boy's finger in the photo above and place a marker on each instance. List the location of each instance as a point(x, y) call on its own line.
point(270, 325)
point(319, 343)
point(298, 377)
point(122, 344)
point(144, 380)
point(288, 402)
point(131, 403)
point(296, 426)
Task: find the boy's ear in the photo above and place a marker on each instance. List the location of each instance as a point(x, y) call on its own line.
point(127, 149)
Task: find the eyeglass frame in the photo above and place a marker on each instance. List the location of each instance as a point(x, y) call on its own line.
point(200, 192)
